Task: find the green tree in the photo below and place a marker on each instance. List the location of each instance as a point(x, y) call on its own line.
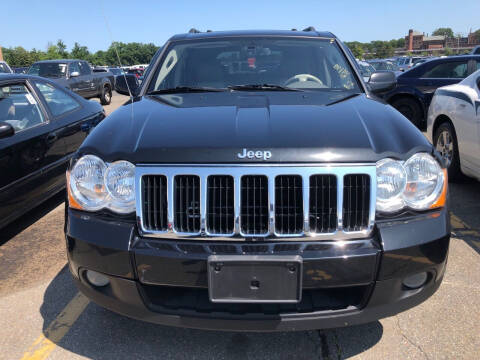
point(62, 49)
point(98, 58)
point(17, 56)
point(52, 52)
point(445, 31)
point(80, 52)
point(356, 48)
point(382, 49)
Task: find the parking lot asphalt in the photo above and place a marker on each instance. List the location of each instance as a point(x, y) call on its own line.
point(42, 315)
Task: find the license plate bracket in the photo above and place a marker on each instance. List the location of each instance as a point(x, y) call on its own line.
point(254, 279)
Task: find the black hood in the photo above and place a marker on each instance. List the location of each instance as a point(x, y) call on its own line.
point(215, 127)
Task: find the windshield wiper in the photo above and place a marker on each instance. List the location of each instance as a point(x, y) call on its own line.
point(343, 99)
point(185, 89)
point(262, 87)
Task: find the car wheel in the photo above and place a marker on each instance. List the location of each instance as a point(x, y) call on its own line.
point(445, 141)
point(106, 96)
point(410, 109)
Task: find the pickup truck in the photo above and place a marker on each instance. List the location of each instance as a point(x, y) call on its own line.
point(256, 183)
point(77, 76)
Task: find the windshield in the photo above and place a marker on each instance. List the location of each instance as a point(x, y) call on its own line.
point(309, 64)
point(49, 70)
point(4, 69)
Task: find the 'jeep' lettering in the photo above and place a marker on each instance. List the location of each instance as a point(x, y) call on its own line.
point(258, 154)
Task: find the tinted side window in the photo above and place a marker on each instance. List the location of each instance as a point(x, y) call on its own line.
point(450, 70)
point(19, 108)
point(85, 68)
point(74, 67)
point(58, 101)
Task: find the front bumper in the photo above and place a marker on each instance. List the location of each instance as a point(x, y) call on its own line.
point(344, 283)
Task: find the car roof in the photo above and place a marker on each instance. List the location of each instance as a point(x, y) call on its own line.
point(452, 58)
point(15, 77)
point(57, 61)
point(238, 33)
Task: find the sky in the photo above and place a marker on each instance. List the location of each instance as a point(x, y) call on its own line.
point(34, 23)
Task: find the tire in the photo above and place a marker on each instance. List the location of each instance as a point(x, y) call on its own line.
point(411, 110)
point(445, 141)
point(106, 95)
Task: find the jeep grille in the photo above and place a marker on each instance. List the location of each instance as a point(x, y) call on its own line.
point(232, 202)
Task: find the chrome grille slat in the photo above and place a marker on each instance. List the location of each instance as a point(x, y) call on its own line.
point(194, 221)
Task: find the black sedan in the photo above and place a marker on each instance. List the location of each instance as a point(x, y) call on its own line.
point(415, 88)
point(41, 126)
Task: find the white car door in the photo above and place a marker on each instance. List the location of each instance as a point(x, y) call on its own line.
point(468, 116)
point(476, 156)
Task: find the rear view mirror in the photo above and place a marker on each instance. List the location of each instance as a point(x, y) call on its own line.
point(382, 81)
point(6, 130)
point(74, 74)
point(121, 84)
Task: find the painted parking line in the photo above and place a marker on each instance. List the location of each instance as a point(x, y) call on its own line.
point(58, 328)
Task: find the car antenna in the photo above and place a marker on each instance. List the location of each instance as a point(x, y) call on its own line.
point(116, 53)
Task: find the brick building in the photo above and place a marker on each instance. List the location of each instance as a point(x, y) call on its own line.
point(416, 40)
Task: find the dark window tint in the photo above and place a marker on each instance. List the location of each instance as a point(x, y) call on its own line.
point(19, 108)
point(4, 69)
point(453, 69)
point(74, 67)
point(48, 70)
point(85, 69)
point(58, 101)
point(478, 64)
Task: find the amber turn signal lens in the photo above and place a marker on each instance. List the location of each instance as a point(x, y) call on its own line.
point(442, 199)
point(71, 200)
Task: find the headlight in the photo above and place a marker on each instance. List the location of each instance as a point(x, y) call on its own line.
point(419, 183)
point(425, 181)
point(120, 183)
point(94, 185)
point(391, 182)
point(87, 184)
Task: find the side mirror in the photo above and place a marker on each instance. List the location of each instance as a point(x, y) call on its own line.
point(121, 86)
point(382, 81)
point(74, 74)
point(6, 130)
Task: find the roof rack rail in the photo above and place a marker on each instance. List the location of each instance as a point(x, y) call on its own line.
point(294, 29)
point(209, 30)
point(310, 28)
point(194, 31)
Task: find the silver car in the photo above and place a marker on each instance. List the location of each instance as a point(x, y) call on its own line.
point(454, 125)
point(406, 63)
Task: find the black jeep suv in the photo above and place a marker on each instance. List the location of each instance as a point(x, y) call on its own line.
point(255, 183)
